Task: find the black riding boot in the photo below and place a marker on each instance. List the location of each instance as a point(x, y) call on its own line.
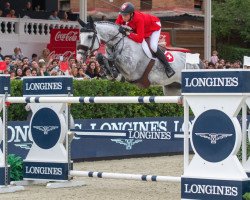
point(168, 69)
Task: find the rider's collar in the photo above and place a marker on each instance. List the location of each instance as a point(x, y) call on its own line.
point(131, 16)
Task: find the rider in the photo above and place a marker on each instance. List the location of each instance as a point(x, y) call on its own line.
point(144, 26)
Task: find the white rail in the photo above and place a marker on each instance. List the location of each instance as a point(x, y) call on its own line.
point(116, 99)
point(123, 176)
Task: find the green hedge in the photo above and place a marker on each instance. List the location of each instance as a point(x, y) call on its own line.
point(104, 88)
point(232, 53)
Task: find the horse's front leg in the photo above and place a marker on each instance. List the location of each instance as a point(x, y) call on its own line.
point(108, 66)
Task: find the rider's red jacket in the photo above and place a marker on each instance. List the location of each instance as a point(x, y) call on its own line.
point(143, 25)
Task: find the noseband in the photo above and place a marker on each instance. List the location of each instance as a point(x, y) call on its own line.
point(90, 50)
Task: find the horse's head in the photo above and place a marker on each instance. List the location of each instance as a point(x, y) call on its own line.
point(89, 41)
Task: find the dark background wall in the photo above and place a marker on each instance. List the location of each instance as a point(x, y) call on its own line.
point(46, 5)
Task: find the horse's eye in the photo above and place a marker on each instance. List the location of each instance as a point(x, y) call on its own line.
point(90, 36)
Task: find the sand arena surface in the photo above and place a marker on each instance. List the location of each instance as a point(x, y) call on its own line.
point(108, 189)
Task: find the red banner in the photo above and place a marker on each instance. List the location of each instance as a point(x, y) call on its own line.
point(63, 43)
point(165, 39)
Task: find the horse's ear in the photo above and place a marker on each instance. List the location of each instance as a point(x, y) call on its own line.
point(82, 23)
point(91, 22)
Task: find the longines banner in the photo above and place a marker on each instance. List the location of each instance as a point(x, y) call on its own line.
point(146, 136)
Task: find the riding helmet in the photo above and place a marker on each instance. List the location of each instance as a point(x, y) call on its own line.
point(127, 8)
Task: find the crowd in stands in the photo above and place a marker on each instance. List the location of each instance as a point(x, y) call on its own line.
point(219, 63)
point(18, 65)
point(8, 11)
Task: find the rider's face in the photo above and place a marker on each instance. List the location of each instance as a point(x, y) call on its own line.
point(126, 17)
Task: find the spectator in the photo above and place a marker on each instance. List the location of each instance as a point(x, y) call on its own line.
point(65, 17)
point(26, 71)
point(1, 56)
point(54, 15)
point(74, 72)
point(7, 59)
point(92, 71)
point(11, 14)
point(228, 65)
point(6, 9)
point(34, 65)
point(81, 74)
point(84, 67)
point(12, 75)
point(17, 54)
point(34, 57)
point(19, 64)
point(54, 67)
point(45, 56)
point(42, 68)
point(33, 72)
point(25, 61)
point(214, 58)
point(236, 65)
point(211, 65)
point(19, 73)
point(38, 8)
point(28, 6)
point(12, 65)
point(1, 13)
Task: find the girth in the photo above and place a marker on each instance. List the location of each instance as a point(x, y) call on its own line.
point(143, 82)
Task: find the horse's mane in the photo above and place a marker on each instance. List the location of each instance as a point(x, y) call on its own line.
point(107, 22)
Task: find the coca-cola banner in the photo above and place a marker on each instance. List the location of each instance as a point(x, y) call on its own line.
point(63, 42)
point(64, 37)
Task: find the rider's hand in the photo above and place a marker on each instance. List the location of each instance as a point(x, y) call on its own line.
point(122, 30)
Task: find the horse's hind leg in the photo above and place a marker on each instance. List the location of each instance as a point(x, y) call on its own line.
point(173, 89)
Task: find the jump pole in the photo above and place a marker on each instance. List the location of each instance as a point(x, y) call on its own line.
point(123, 176)
point(106, 100)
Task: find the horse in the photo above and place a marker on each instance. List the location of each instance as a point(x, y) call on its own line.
point(129, 57)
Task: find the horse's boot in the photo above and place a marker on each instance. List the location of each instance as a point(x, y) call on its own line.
point(168, 69)
point(113, 69)
point(107, 65)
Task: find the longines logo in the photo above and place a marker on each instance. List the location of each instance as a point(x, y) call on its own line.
point(214, 137)
point(43, 86)
point(46, 129)
point(212, 82)
point(210, 190)
point(138, 131)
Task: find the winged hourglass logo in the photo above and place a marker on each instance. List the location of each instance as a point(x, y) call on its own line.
point(213, 137)
point(45, 129)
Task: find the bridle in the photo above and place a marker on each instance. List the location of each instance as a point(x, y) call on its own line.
point(89, 50)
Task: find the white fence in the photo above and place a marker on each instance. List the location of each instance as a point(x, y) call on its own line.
point(31, 35)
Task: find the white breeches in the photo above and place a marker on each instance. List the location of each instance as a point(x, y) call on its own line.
point(154, 39)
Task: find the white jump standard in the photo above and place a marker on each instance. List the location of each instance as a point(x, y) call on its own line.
point(5, 186)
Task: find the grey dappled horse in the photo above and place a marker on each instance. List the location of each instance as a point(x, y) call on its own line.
point(129, 57)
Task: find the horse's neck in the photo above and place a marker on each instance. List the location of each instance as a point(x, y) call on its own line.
point(107, 32)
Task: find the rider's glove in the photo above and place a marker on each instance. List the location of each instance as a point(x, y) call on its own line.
point(122, 30)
